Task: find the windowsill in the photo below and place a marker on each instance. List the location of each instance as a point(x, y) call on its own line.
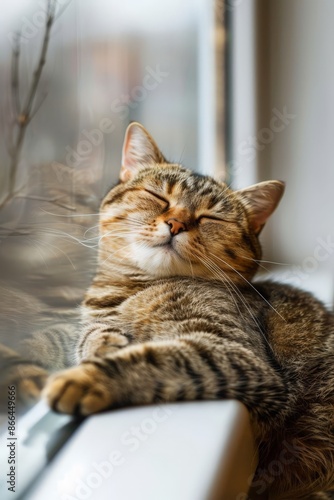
point(183, 451)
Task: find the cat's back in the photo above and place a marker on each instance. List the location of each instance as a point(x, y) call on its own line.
point(298, 325)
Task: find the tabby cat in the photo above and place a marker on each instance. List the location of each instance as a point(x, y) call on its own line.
point(172, 315)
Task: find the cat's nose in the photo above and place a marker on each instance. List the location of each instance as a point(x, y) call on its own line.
point(176, 226)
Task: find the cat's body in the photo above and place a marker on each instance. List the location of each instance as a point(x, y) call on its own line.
point(171, 315)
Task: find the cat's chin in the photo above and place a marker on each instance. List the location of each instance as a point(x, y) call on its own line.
point(162, 261)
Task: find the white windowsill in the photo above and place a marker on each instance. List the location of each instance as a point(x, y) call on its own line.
point(185, 451)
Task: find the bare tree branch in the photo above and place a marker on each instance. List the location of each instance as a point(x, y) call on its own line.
point(37, 106)
point(24, 115)
point(42, 60)
point(15, 77)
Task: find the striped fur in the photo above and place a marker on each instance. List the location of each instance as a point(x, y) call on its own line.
point(172, 315)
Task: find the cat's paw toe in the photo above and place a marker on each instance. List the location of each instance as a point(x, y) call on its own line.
point(103, 344)
point(105, 350)
point(78, 391)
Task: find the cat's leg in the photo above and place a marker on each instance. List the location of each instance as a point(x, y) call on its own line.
point(28, 366)
point(190, 367)
point(27, 376)
point(101, 338)
point(53, 347)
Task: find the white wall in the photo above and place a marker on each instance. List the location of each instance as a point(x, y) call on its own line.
point(302, 79)
point(243, 92)
point(211, 85)
point(284, 64)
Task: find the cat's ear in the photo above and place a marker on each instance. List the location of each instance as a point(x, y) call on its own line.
point(139, 151)
point(260, 201)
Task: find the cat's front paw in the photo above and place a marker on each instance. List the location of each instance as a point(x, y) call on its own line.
point(81, 390)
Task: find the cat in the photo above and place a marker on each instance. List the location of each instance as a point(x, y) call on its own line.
point(172, 315)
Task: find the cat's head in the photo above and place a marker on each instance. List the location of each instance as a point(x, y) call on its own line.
point(165, 220)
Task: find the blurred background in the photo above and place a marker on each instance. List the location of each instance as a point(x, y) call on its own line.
point(241, 89)
point(106, 64)
point(283, 64)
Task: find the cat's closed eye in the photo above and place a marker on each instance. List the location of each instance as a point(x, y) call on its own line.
point(212, 218)
point(157, 196)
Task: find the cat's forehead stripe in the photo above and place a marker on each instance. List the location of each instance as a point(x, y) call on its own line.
point(194, 183)
point(199, 192)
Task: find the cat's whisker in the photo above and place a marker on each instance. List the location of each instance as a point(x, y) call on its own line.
point(90, 229)
point(66, 235)
point(259, 261)
point(222, 276)
point(191, 267)
point(214, 269)
point(113, 253)
point(109, 266)
point(264, 268)
point(52, 246)
point(233, 288)
point(36, 244)
point(85, 241)
point(70, 236)
point(249, 283)
point(71, 215)
point(274, 263)
point(118, 231)
point(243, 301)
